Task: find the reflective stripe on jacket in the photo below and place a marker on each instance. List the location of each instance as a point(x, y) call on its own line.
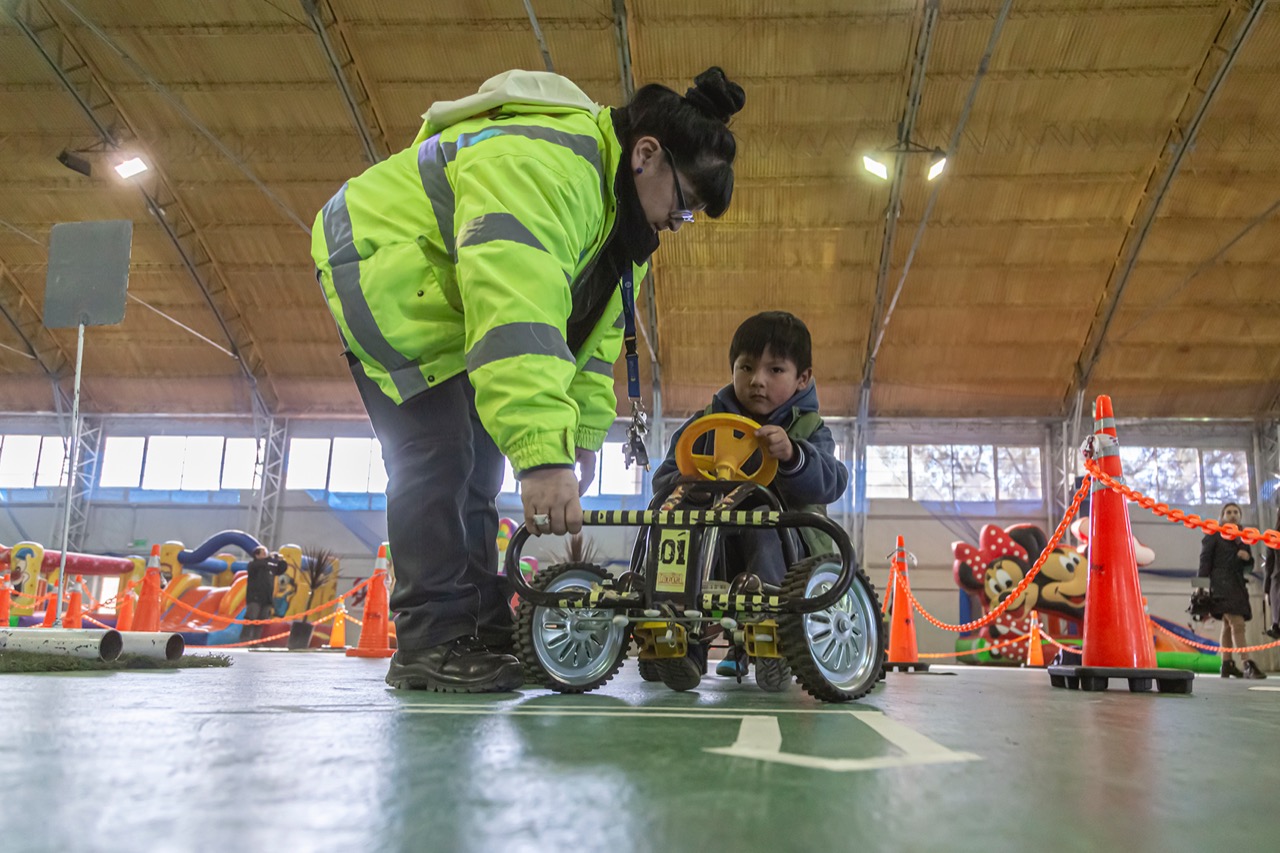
point(460, 253)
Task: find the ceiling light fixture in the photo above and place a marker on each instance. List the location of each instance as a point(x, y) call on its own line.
point(875, 167)
point(132, 166)
point(937, 163)
point(877, 161)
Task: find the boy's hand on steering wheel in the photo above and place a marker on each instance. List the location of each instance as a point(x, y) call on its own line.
point(776, 442)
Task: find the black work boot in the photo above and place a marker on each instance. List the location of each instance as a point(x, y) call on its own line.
point(1251, 670)
point(1230, 669)
point(463, 665)
point(499, 642)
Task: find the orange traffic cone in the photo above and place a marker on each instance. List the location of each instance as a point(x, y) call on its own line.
point(1117, 639)
point(74, 617)
point(124, 610)
point(147, 617)
point(6, 601)
point(338, 634)
point(373, 636)
point(1035, 651)
point(904, 655)
point(50, 609)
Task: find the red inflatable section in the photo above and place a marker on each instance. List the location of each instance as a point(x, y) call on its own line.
point(78, 564)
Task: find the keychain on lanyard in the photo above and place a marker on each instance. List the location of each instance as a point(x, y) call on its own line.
point(634, 449)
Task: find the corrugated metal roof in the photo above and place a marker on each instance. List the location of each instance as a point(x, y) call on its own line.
point(1071, 126)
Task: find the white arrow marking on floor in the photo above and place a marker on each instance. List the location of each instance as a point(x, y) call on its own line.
point(761, 739)
point(759, 736)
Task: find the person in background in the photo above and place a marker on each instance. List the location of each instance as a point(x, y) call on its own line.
point(1271, 585)
point(1225, 562)
point(260, 588)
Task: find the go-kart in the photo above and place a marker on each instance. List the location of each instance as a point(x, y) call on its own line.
point(575, 623)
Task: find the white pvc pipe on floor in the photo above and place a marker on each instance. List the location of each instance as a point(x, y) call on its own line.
point(153, 644)
point(73, 642)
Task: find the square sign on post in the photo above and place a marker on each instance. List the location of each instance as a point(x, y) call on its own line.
point(88, 273)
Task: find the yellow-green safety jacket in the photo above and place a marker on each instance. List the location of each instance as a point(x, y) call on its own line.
point(462, 253)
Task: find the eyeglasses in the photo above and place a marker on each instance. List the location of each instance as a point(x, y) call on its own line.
point(682, 210)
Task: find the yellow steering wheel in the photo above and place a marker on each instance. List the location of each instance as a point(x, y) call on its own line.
point(734, 444)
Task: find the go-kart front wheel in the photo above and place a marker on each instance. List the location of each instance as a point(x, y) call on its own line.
point(836, 654)
point(570, 650)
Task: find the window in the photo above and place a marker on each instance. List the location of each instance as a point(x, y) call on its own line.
point(121, 462)
point(952, 472)
point(163, 466)
point(308, 463)
point(19, 455)
point(349, 466)
point(240, 464)
point(888, 472)
point(1186, 476)
point(189, 463)
point(1178, 476)
point(357, 466)
point(1018, 474)
point(614, 477)
point(1141, 468)
point(202, 463)
point(53, 461)
point(931, 473)
point(1226, 476)
point(377, 470)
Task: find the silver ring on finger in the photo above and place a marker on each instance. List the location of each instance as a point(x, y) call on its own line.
point(542, 521)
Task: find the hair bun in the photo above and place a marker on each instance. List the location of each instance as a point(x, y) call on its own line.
point(716, 95)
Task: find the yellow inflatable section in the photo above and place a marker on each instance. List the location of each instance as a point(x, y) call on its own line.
point(233, 601)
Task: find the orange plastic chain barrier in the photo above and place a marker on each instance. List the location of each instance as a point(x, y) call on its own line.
point(1020, 588)
point(197, 612)
point(1248, 535)
point(248, 642)
point(1210, 648)
point(1000, 645)
point(1045, 635)
point(889, 588)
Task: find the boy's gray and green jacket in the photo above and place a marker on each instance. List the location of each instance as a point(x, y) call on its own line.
point(494, 245)
point(817, 479)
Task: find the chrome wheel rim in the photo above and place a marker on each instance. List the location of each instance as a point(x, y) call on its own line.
point(575, 646)
point(841, 639)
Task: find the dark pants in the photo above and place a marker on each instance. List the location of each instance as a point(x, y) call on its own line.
point(255, 610)
point(760, 553)
point(444, 473)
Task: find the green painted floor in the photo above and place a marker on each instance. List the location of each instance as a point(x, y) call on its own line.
point(300, 752)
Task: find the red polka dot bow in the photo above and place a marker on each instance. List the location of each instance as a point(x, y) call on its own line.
point(993, 544)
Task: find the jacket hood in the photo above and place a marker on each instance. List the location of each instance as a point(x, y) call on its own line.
point(530, 89)
point(804, 400)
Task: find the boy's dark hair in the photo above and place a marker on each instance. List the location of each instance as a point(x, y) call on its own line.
point(694, 128)
point(783, 333)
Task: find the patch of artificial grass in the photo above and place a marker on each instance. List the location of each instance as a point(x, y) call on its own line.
point(15, 661)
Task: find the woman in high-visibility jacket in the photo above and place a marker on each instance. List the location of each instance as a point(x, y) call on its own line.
point(475, 280)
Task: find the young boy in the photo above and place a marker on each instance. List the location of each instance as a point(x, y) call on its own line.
point(771, 358)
